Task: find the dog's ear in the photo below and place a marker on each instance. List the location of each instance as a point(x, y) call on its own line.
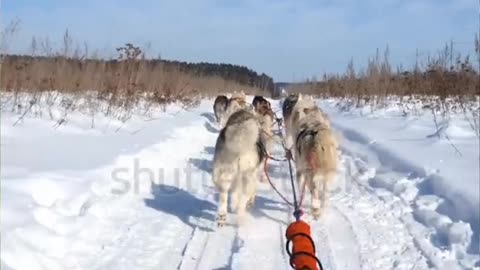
point(300, 96)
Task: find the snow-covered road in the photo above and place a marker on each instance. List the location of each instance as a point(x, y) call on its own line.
point(141, 197)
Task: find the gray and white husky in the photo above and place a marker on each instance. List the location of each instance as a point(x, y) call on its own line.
point(235, 103)
point(266, 118)
point(239, 153)
point(220, 106)
point(287, 108)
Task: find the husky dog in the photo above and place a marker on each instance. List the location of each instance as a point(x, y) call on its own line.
point(266, 118)
point(260, 101)
point(306, 105)
point(239, 153)
point(315, 152)
point(288, 104)
point(235, 103)
point(220, 106)
point(287, 108)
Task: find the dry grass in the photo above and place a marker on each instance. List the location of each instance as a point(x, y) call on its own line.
point(128, 78)
point(122, 81)
point(441, 76)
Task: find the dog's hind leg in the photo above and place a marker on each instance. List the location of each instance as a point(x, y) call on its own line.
point(252, 190)
point(222, 207)
point(247, 194)
point(324, 196)
point(223, 185)
point(305, 180)
point(235, 196)
point(314, 185)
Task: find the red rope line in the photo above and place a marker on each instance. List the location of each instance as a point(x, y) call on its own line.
point(265, 170)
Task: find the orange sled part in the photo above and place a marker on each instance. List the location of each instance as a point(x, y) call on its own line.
point(302, 256)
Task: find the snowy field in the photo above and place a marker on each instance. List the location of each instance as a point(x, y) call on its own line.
point(96, 192)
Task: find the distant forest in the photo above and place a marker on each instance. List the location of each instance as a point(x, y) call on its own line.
point(239, 74)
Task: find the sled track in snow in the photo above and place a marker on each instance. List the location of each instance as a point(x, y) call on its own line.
point(200, 251)
point(358, 232)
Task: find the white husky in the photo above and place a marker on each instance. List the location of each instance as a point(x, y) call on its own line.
point(305, 105)
point(315, 152)
point(237, 159)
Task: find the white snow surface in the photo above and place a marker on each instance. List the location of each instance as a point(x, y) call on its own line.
point(137, 194)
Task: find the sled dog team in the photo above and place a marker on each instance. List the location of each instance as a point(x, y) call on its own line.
point(246, 137)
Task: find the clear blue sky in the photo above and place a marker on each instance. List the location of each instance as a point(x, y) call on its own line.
point(287, 39)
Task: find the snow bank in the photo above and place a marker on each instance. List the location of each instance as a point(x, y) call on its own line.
point(440, 163)
point(56, 188)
